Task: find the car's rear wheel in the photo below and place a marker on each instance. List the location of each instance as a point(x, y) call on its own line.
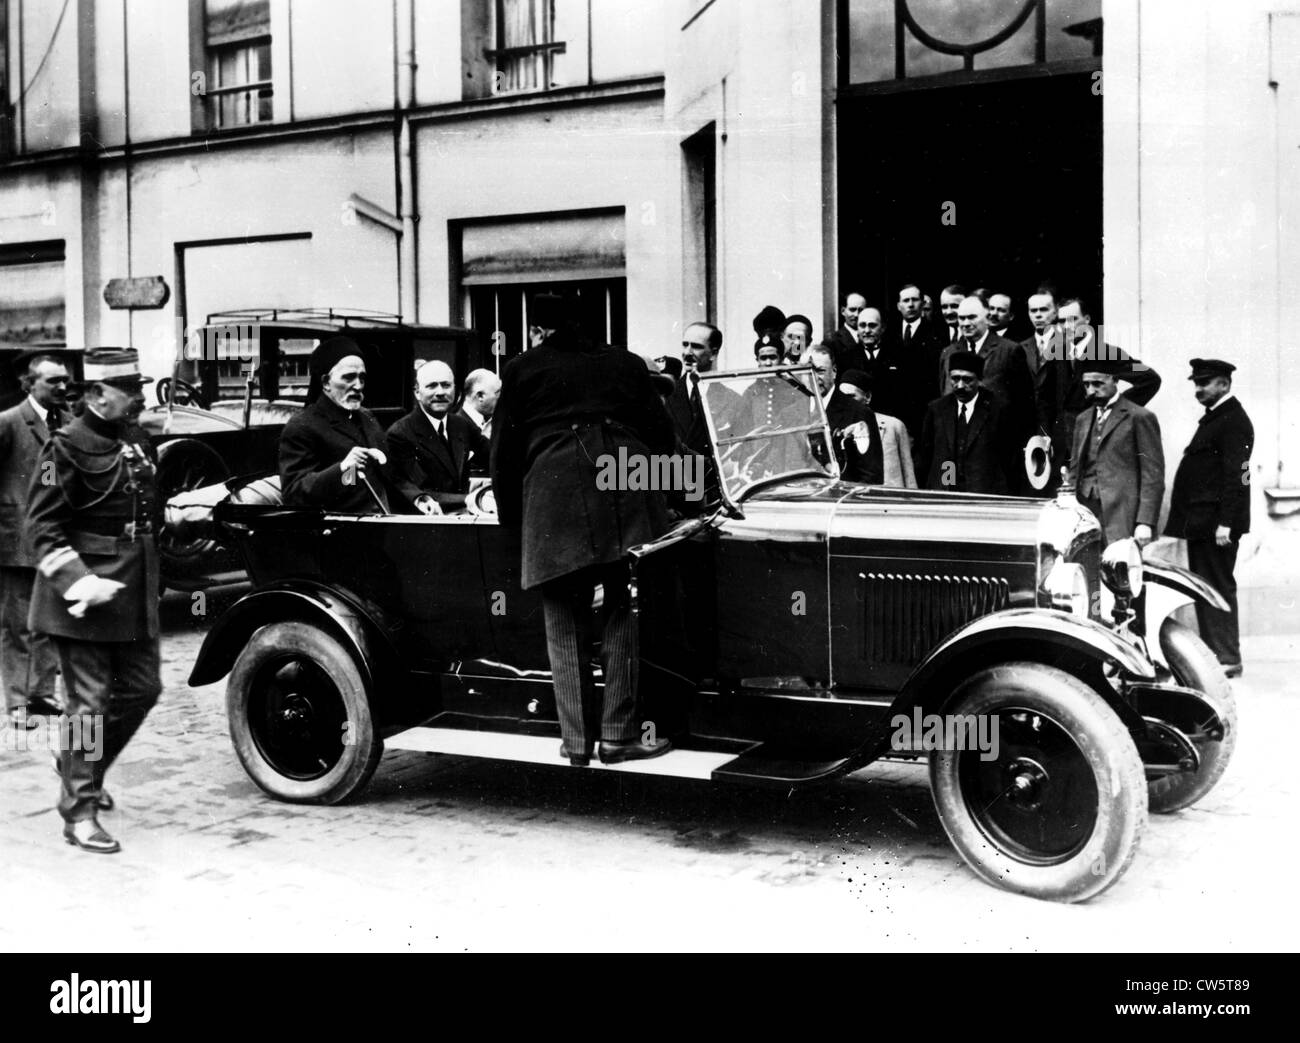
point(1195, 666)
point(184, 465)
point(1055, 806)
point(300, 717)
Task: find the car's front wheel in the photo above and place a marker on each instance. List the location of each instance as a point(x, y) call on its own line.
point(299, 715)
point(1054, 803)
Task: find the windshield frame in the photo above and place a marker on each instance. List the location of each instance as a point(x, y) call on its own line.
point(734, 500)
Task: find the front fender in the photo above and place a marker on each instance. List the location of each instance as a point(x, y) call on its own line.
point(1026, 634)
point(1168, 588)
point(302, 600)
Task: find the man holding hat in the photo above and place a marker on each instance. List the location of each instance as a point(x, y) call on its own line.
point(966, 444)
point(1210, 505)
point(92, 518)
point(333, 454)
point(1117, 462)
point(28, 661)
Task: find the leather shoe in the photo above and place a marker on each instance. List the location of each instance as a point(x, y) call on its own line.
point(632, 750)
point(89, 835)
point(578, 760)
point(1232, 669)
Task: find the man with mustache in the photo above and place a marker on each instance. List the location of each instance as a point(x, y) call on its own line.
point(434, 450)
point(334, 454)
point(92, 519)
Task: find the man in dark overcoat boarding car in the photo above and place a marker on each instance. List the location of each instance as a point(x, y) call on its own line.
point(566, 409)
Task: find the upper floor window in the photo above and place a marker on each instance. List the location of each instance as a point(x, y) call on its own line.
point(237, 36)
point(525, 45)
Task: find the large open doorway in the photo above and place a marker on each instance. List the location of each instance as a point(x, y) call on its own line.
point(992, 184)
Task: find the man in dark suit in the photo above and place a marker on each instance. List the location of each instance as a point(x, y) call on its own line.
point(1006, 376)
point(433, 449)
point(965, 444)
point(333, 454)
point(847, 418)
point(950, 298)
point(1118, 465)
point(845, 342)
point(565, 407)
point(28, 662)
point(479, 401)
point(92, 519)
point(701, 343)
point(910, 369)
point(1210, 505)
point(1002, 317)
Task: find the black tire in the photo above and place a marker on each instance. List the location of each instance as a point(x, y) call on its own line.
point(300, 716)
point(1195, 666)
point(1058, 812)
point(185, 464)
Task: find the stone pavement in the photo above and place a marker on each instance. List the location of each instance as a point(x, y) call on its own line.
point(449, 854)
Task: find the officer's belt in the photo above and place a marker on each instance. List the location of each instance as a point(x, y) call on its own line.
point(100, 543)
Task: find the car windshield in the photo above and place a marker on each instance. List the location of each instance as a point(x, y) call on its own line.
point(764, 424)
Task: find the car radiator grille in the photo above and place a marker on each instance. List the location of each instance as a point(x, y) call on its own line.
point(905, 616)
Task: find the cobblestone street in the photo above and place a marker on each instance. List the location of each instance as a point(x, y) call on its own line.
point(450, 854)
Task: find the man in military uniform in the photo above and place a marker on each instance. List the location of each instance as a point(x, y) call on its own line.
point(92, 516)
point(1210, 504)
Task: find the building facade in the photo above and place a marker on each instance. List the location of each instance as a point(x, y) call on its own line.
point(669, 161)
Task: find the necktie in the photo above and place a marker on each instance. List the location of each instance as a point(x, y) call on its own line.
point(52, 421)
point(695, 392)
point(1102, 413)
point(907, 333)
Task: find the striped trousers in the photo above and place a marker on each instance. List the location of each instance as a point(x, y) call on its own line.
point(570, 626)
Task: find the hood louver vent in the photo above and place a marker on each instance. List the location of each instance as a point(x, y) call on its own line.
point(906, 616)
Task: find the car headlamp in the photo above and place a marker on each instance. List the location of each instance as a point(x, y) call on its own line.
point(1121, 568)
point(1067, 584)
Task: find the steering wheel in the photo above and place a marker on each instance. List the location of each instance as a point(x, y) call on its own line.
point(186, 393)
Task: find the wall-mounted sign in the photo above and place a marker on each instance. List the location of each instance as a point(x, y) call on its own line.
point(145, 291)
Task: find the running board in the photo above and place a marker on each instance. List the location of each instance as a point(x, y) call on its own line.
point(536, 749)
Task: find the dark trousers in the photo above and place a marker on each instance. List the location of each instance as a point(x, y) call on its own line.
point(1215, 565)
point(28, 662)
point(570, 624)
point(112, 684)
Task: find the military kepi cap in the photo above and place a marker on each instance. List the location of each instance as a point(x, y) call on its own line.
point(117, 366)
point(1204, 369)
point(967, 362)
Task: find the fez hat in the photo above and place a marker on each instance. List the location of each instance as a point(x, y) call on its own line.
point(333, 351)
point(859, 378)
point(770, 318)
point(770, 339)
point(1109, 367)
point(546, 311)
point(119, 367)
point(1204, 369)
point(967, 362)
point(663, 382)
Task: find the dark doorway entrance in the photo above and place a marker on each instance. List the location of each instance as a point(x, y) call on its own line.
point(1014, 164)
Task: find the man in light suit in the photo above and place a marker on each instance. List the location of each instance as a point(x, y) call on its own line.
point(433, 449)
point(28, 662)
point(895, 444)
point(1117, 465)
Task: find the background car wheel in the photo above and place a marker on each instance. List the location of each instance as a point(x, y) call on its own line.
point(185, 464)
point(1058, 809)
point(299, 716)
point(186, 393)
point(1195, 666)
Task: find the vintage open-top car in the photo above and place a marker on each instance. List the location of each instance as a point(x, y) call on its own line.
point(798, 629)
